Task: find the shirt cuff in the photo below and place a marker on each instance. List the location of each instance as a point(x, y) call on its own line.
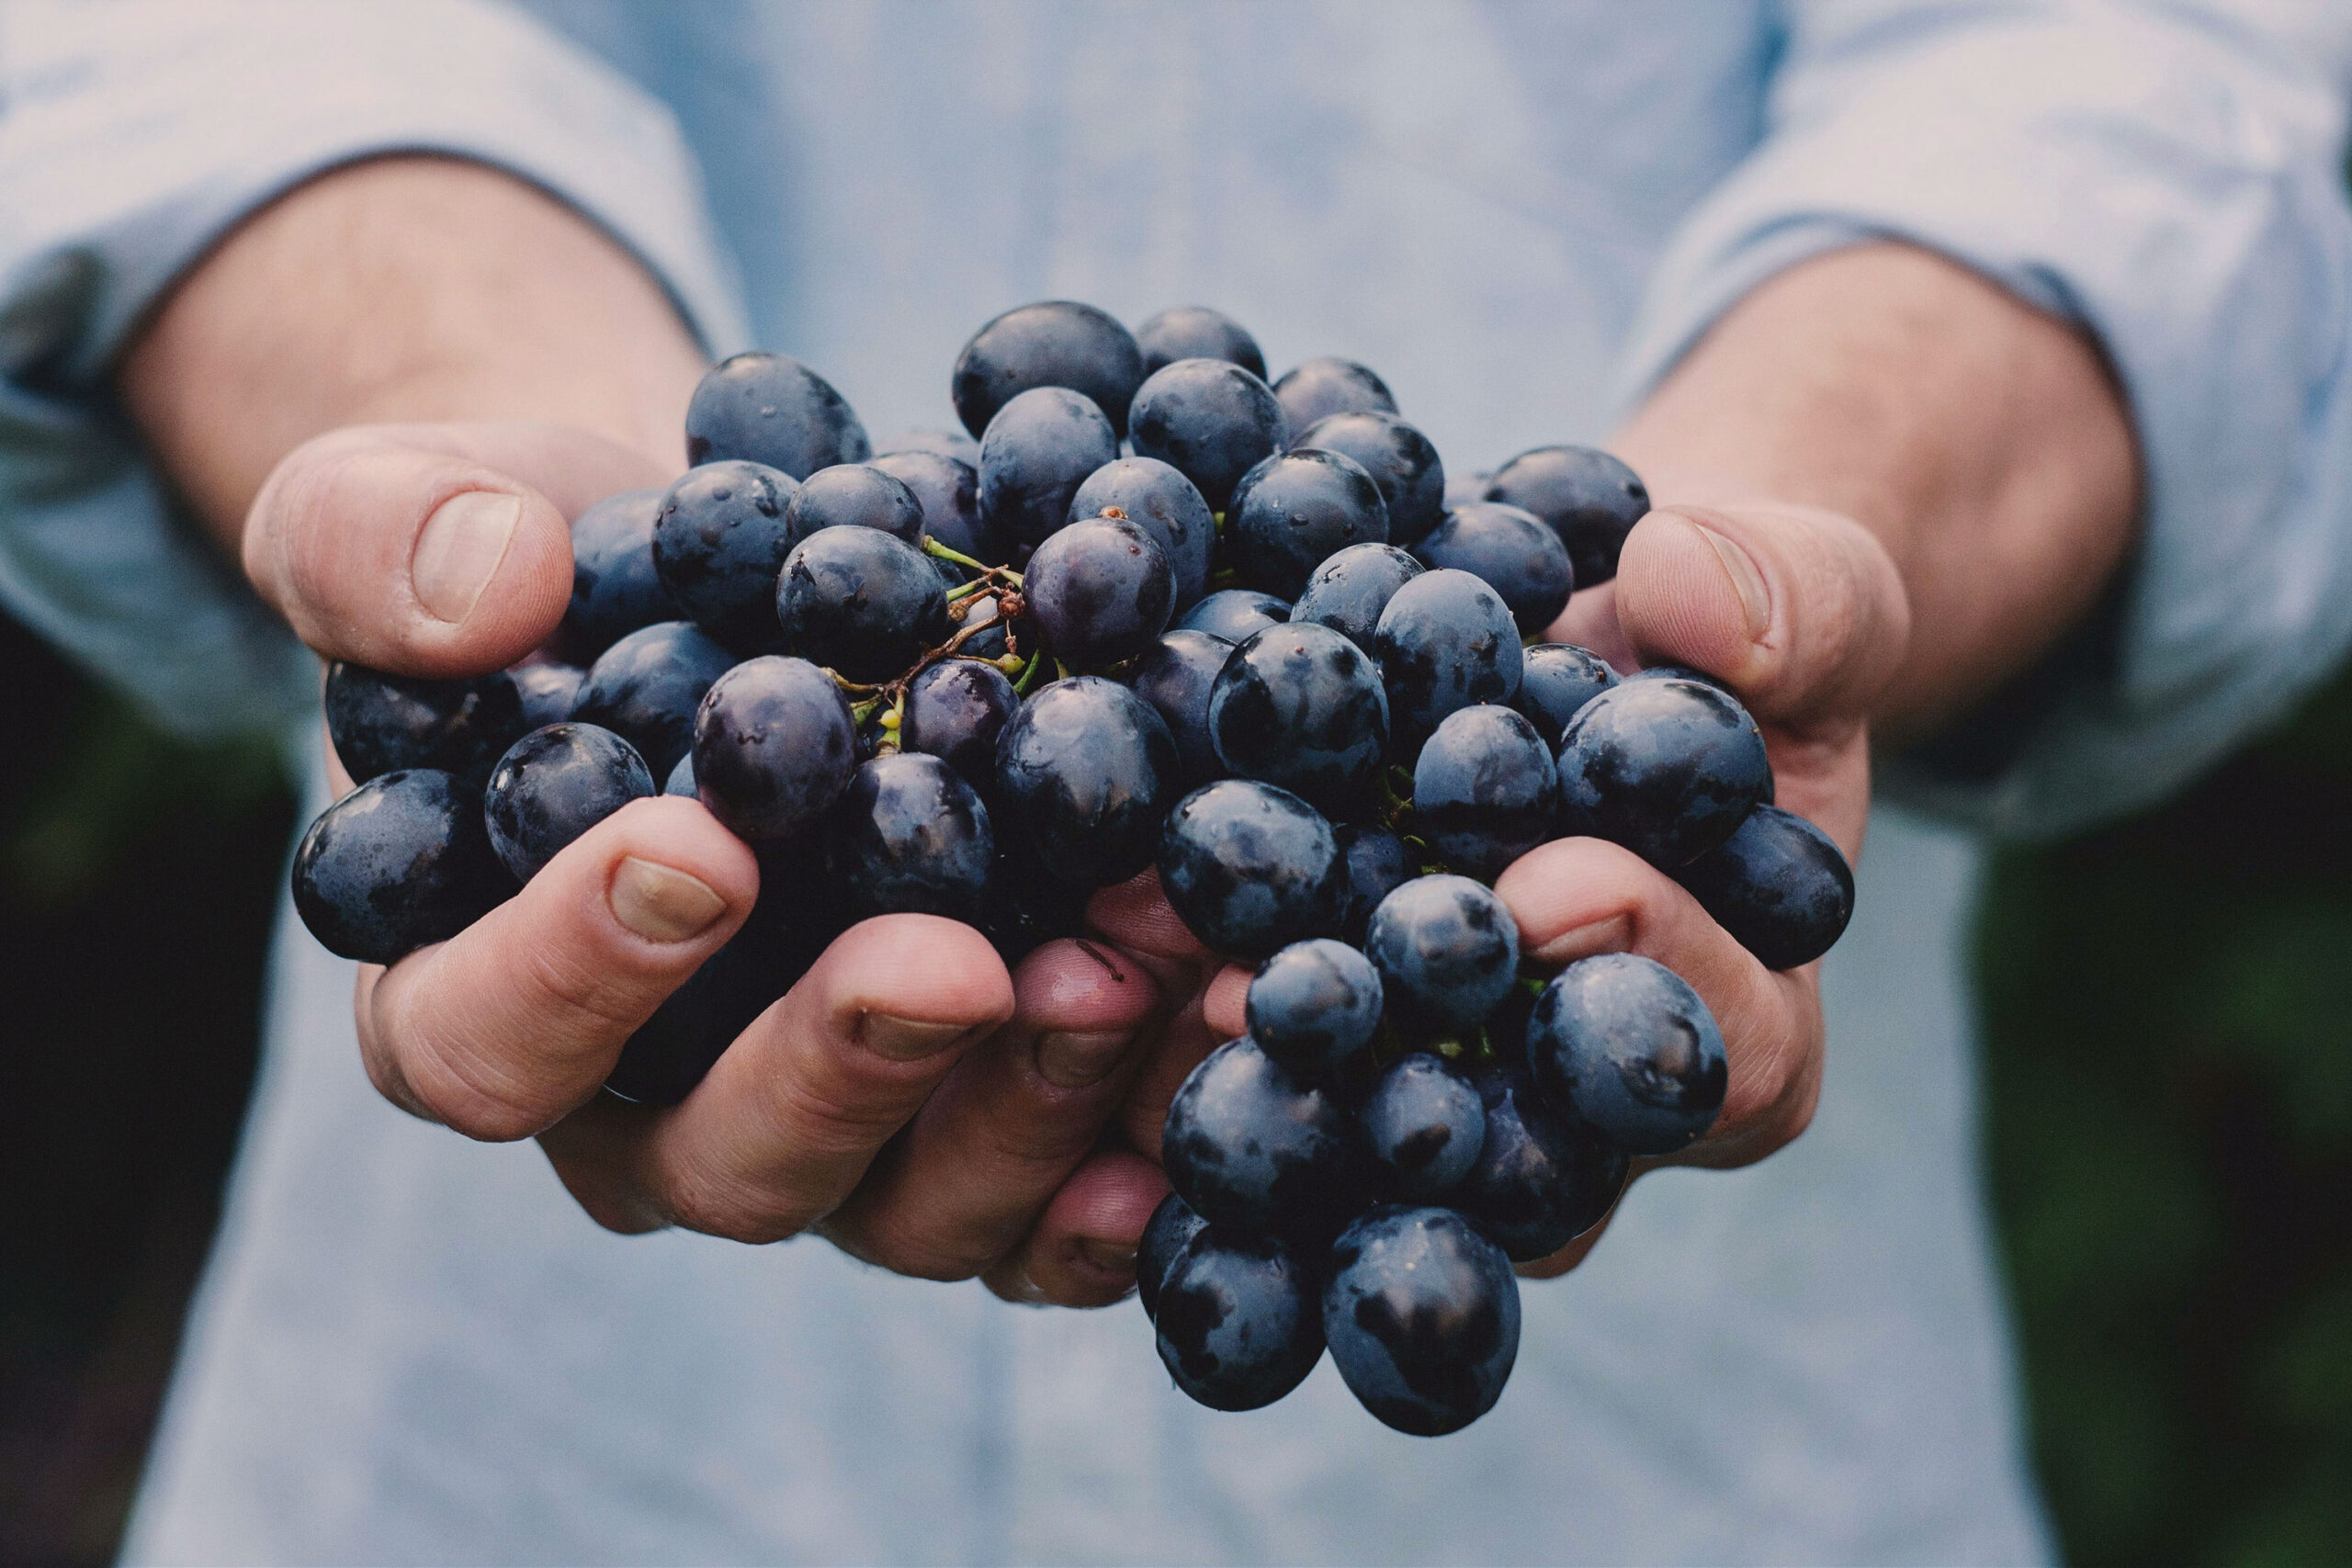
point(136, 135)
point(2174, 190)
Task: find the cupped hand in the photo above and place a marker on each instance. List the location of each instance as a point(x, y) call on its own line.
point(909, 1097)
point(1801, 612)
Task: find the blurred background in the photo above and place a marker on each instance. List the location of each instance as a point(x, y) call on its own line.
point(2168, 1112)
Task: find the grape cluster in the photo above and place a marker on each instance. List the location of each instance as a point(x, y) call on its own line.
point(1150, 612)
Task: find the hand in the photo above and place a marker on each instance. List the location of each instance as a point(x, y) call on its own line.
point(1799, 609)
point(909, 1097)
point(1801, 613)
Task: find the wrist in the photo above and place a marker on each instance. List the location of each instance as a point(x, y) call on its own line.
point(403, 289)
point(1982, 442)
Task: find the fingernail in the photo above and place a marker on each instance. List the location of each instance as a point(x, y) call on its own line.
point(1073, 1059)
point(1755, 599)
point(1615, 934)
point(907, 1039)
point(459, 552)
point(661, 904)
point(1107, 1256)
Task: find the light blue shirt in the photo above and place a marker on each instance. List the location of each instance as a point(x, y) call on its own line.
point(411, 1348)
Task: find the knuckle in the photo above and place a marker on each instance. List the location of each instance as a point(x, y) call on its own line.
point(887, 1242)
point(485, 1116)
point(468, 1094)
point(590, 988)
point(732, 1211)
point(829, 1119)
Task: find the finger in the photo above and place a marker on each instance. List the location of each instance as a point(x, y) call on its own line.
point(1576, 1251)
point(1802, 612)
point(1168, 1062)
point(1224, 1005)
point(793, 1114)
point(1136, 915)
point(1082, 1252)
point(1589, 621)
point(429, 549)
point(505, 1027)
point(965, 1181)
point(1574, 897)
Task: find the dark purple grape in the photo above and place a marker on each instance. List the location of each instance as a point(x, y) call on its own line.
point(1666, 768)
point(1447, 950)
point(1516, 555)
point(382, 723)
point(553, 785)
point(1100, 590)
point(1036, 452)
point(1422, 1316)
point(1485, 790)
point(681, 779)
point(1779, 884)
point(983, 617)
point(1195, 332)
point(675, 1049)
point(1590, 499)
point(1055, 343)
point(955, 444)
point(614, 589)
point(1233, 614)
point(547, 692)
point(1347, 591)
point(718, 545)
point(1463, 489)
point(400, 862)
point(1400, 460)
point(1238, 1322)
point(1175, 675)
point(1424, 1126)
point(1302, 707)
point(854, 495)
point(1165, 504)
point(771, 409)
point(672, 1051)
point(645, 689)
point(860, 601)
point(1164, 1235)
point(1687, 672)
point(1023, 909)
point(775, 746)
point(1378, 863)
point(1681, 672)
point(956, 710)
point(1084, 773)
point(1556, 679)
point(1316, 388)
point(1250, 868)
point(1209, 419)
point(1539, 1182)
point(1445, 641)
point(1313, 1007)
point(910, 836)
point(1295, 511)
point(1621, 1045)
point(1256, 1151)
point(948, 490)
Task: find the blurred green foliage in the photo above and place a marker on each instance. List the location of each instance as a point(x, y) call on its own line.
point(138, 876)
point(2168, 1011)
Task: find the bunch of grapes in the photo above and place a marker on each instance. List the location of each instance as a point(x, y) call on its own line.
point(1151, 611)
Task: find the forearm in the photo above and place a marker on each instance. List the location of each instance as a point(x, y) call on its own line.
point(402, 289)
point(1982, 442)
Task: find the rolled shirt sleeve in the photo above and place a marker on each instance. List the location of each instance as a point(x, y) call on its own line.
point(133, 135)
point(2170, 178)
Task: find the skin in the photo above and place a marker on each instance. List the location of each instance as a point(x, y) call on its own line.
point(1883, 486)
